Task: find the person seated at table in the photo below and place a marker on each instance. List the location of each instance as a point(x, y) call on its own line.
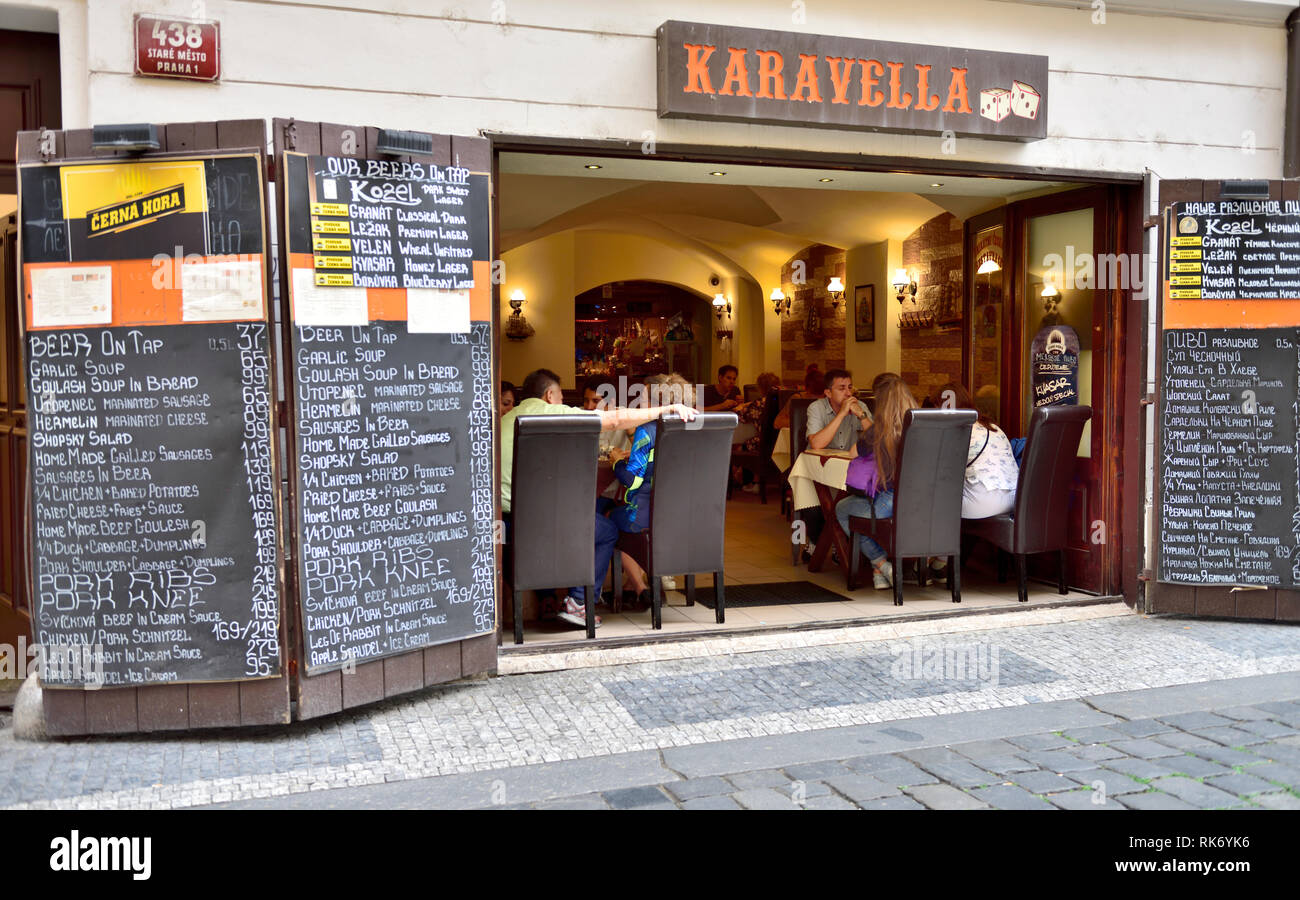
point(754, 413)
point(544, 397)
point(991, 470)
point(594, 392)
point(836, 421)
point(813, 384)
point(636, 472)
point(509, 397)
point(881, 439)
point(725, 395)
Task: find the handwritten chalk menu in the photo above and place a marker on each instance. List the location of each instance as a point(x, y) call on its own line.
point(1234, 249)
point(153, 491)
point(392, 398)
point(1229, 462)
point(381, 224)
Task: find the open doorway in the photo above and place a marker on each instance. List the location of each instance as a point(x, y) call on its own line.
point(938, 278)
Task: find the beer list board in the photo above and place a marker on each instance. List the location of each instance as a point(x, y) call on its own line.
point(152, 514)
point(392, 407)
point(1230, 398)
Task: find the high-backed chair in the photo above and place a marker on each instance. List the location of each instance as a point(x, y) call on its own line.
point(798, 444)
point(688, 506)
point(927, 497)
point(552, 540)
point(1037, 523)
point(760, 461)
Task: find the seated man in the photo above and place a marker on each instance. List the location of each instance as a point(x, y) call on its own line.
point(542, 396)
point(725, 395)
point(836, 421)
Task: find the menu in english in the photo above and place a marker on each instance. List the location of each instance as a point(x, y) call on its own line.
point(382, 224)
point(152, 521)
point(390, 371)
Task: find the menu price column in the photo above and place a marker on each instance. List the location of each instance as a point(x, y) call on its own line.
point(262, 638)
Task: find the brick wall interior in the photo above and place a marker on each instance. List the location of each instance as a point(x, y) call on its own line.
point(931, 356)
point(824, 344)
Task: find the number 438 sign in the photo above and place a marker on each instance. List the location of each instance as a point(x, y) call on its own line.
point(177, 48)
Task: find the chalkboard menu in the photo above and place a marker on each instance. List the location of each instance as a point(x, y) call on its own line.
point(391, 376)
point(1230, 395)
point(1234, 249)
point(153, 493)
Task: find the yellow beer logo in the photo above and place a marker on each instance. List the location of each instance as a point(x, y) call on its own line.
point(138, 211)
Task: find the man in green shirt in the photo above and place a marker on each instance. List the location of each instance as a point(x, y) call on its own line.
point(543, 397)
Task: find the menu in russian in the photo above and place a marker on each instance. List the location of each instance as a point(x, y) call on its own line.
point(1230, 397)
point(390, 372)
point(153, 492)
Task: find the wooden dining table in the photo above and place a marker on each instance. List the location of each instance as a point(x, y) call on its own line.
point(818, 478)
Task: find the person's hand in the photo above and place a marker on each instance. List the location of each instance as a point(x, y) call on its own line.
point(617, 454)
point(686, 412)
point(856, 408)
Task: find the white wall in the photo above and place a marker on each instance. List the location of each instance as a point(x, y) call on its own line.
point(1180, 95)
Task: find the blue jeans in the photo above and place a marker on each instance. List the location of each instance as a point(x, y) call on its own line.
point(606, 538)
point(853, 505)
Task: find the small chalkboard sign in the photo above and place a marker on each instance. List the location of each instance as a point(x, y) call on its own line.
point(153, 518)
point(391, 382)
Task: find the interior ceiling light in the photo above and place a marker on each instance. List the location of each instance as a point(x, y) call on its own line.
point(717, 173)
point(989, 266)
point(936, 184)
point(592, 166)
point(824, 180)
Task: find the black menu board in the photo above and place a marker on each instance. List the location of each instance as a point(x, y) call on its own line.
point(1234, 250)
point(1230, 395)
point(390, 373)
point(1229, 462)
point(153, 492)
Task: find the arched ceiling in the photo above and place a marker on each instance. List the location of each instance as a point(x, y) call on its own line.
point(751, 223)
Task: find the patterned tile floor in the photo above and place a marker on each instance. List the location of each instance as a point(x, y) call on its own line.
point(600, 711)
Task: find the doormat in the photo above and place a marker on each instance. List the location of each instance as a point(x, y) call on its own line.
point(772, 593)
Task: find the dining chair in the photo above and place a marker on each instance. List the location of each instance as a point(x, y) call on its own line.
point(552, 538)
point(688, 507)
point(1037, 523)
point(798, 444)
point(927, 498)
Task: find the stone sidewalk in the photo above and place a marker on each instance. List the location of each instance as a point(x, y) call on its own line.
point(862, 698)
point(1178, 748)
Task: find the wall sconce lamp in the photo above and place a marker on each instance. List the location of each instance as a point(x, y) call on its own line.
point(517, 327)
point(988, 266)
point(904, 284)
point(1049, 290)
point(721, 304)
point(780, 302)
point(835, 288)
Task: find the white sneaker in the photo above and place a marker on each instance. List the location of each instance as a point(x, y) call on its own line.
point(575, 612)
point(750, 489)
point(882, 576)
point(668, 583)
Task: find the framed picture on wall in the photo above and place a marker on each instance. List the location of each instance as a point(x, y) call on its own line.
point(864, 312)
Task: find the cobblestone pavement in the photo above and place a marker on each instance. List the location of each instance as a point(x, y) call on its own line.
point(988, 713)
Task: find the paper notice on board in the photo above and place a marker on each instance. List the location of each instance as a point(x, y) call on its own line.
point(430, 311)
point(220, 291)
point(314, 305)
point(72, 295)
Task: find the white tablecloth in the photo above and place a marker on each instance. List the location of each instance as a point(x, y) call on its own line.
point(828, 467)
point(781, 450)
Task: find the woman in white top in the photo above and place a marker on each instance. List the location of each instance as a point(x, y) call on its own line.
point(991, 469)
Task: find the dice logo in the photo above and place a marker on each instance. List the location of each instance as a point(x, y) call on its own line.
point(1024, 100)
point(995, 104)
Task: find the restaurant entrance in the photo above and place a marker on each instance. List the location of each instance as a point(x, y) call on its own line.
point(941, 278)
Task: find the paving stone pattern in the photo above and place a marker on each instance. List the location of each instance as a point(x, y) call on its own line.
point(1247, 755)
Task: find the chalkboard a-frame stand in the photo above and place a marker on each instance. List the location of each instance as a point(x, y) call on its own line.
point(366, 682)
point(1209, 601)
point(156, 707)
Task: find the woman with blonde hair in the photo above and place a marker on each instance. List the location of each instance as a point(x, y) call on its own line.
point(881, 440)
